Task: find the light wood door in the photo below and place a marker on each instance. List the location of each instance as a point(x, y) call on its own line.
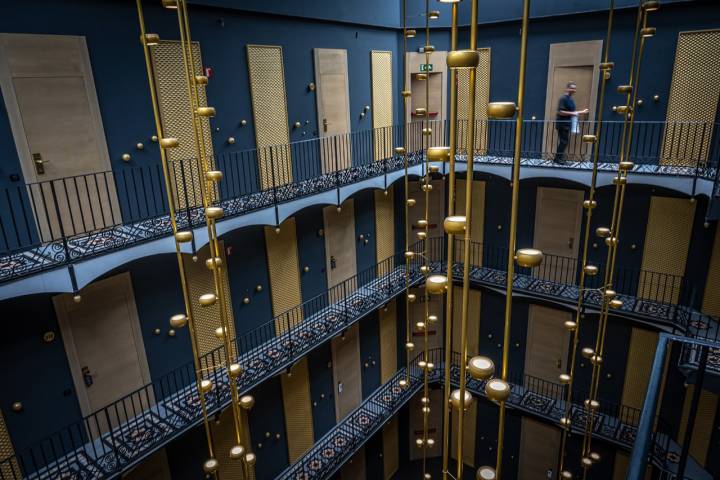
point(346, 371)
point(572, 62)
point(558, 218)
point(333, 105)
point(50, 96)
point(105, 350)
point(340, 259)
point(539, 445)
point(547, 345)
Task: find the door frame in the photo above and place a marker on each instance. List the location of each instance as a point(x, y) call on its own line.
point(318, 89)
point(532, 329)
point(120, 281)
point(330, 210)
point(578, 215)
point(583, 53)
point(15, 116)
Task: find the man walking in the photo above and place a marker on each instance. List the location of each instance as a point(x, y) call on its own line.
point(565, 119)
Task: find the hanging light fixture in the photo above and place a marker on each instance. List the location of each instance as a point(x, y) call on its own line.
point(198, 114)
point(611, 234)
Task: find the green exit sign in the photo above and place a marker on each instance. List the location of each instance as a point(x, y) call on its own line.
point(426, 67)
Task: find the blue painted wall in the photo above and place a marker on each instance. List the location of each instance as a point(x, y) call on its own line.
point(369, 353)
point(321, 389)
point(364, 203)
point(311, 251)
point(268, 416)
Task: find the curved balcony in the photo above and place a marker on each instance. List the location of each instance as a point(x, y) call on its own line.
point(122, 215)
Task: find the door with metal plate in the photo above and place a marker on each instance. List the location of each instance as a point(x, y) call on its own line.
point(49, 93)
point(539, 445)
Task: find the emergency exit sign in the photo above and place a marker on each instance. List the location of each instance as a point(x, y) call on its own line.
point(426, 67)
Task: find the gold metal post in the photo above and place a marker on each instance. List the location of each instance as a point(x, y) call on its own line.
point(512, 242)
point(470, 158)
point(450, 249)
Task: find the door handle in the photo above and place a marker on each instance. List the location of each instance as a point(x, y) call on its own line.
point(558, 364)
point(333, 263)
point(87, 377)
point(325, 124)
point(571, 242)
point(39, 163)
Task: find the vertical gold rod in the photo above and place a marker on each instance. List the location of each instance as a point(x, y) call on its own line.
point(512, 240)
point(426, 143)
point(450, 251)
point(207, 188)
point(586, 239)
point(406, 182)
point(631, 103)
point(470, 158)
point(172, 213)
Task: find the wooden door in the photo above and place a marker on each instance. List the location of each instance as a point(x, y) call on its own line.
point(105, 350)
point(52, 105)
point(340, 259)
point(558, 218)
point(547, 345)
point(346, 371)
point(333, 105)
point(355, 468)
point(572, 62)
point(539, 445)
point(155, 467)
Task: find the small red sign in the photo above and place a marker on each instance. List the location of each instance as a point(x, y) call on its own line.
point(208, 72)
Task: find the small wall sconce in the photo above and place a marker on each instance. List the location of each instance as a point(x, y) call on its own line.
point(297, 125)
point(126, 157)
point(154, 138)
point(217, 129)
point(243, 122)
point(171, 332)
point(139, 146)
point(656, 98)
point(362, 114)
point(267, 434)
point(17, 407)
point(49, 336)
point(157, 331)
point(306, 269)
point(311, 86)
point(231, 140)
point(246, 300)
point(640, 102)
point(258, 288)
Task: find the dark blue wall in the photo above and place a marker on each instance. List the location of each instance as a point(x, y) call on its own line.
point(268, 416)
point(364, 204)
point(321, 389)
point(311, 251)
point(369, 353)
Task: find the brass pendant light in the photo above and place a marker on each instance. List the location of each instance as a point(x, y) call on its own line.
point(198, 114)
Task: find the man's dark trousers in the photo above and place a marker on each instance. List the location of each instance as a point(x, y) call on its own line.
point(563, 129)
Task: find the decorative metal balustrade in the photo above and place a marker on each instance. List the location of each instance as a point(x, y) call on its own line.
point(116, 437)
point(58, 222)
point(617, 424)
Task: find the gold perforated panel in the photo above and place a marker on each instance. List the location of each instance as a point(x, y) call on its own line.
point(284, 271)
point(667, 240)
point(470, 426)
point(382, 102)
point(482, 97)
point(176, 118)
point(478, 219)
point(639, 362)
point(391, 457)
point(384, 228)
point(711, 299)
point(694, 77)
point(704, 421)
point(223, 433)
point(298, 412)
point(207, 319)
point(12, 469)
point(388, 341)
point(267, 88)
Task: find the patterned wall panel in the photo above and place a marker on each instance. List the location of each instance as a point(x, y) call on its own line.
point(482, 97)
point(382, 102)
point(284, 272)
point(639, 362)
point(388, 341)
point(711, 299)
point(11, 469)
point(478, 218)
point(704, 421)
point(391, 455)
point(298, 412)
point(176, 118)
point(667, 241)
point(267, 89)
point(384, 227)
point(694, 77)
point(207, 319)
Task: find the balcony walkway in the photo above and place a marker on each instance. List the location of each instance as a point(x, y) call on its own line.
point(545, 400)
point(149, 418)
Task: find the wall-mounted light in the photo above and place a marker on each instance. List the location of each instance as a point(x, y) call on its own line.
point(126, 157)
